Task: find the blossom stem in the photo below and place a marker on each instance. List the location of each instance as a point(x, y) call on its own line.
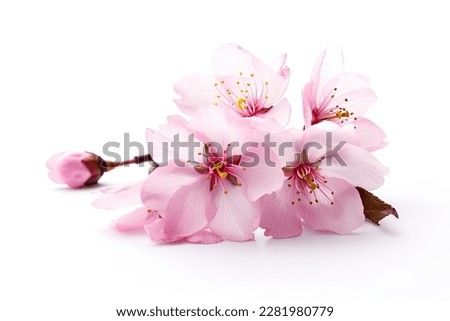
point(135, 160)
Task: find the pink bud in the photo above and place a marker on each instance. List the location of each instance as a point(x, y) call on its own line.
point(75, 169)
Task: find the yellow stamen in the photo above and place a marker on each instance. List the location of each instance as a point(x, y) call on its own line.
point(241, 103)
point(310, 182)
point(341, 114)
point(217, 167)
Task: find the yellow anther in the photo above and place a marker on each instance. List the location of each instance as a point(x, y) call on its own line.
point(310, 182)
point(218, 167)
point(242, 103)
point(341, 114)
point(222, 174)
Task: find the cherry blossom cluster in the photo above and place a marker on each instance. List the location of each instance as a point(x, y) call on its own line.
point(232, 181)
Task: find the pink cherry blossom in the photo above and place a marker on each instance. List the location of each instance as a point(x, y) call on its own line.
point(75, 169)
point(318, 189)
point(242, 84)
point(335, 96)
point(213, 195)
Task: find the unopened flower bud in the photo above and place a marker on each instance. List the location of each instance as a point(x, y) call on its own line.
point(75, 169)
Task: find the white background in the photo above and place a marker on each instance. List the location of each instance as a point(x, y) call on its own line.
point(77, 74)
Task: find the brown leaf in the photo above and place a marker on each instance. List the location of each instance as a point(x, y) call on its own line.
point(374, 208)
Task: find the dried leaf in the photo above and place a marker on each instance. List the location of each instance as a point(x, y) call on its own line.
point(374, 208)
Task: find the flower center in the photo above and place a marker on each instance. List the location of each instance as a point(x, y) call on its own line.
point(247, 95)
point(308, 182)
point(217, 168)
point(337, 113)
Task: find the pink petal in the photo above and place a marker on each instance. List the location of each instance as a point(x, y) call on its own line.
point(291, 139)
point(345, 82)
point(160, 186)
point(361, 168)
point(175, 125)
point(329, 64)
point(231, 59)
point(278, 63)
point(309, 103)
point(156, 231)
point(204, 237)
point(319, 138)
point(262, 125)
point(279, 217)
point(353, 93)
point(368, 135)
point(189, 209)
point(236, 216)
point(196, 92)
point(220, 126)
point(115, 197)
point(135, 220)
point(160, 141)
point(280, 112)
point(276, 83)
point(259, 177)
point(342, 217)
